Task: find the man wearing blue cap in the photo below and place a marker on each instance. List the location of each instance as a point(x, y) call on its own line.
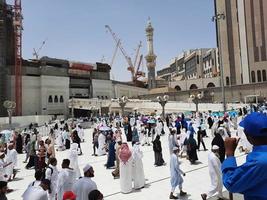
point(250, 178)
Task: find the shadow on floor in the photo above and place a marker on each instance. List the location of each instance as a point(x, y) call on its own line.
point(226, 196)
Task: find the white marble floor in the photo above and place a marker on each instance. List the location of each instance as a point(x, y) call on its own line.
point(196, 180)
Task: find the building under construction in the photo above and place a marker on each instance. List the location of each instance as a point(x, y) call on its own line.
point(7, 50)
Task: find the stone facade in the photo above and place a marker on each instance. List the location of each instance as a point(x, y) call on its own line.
point(233, 93)
point(192, 64)
point(43, 95)
point(243, 38)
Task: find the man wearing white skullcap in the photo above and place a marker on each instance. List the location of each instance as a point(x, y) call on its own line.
point(83, 186)
point(215, 174)
point(176, 174)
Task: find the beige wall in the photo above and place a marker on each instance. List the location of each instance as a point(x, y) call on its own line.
point(233, 94)
point(260, 42)
point(245, 30)
point(31, 96)
point(200, 83)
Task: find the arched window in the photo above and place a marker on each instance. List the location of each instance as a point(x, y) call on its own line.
point(56, 99)
point(227, 80)
point(253, 78)
point(210, 84)
point(193, 87)
point(259, 75)
point(264, 75)
point(50, 99)
point(178, 88)
point(61, 99)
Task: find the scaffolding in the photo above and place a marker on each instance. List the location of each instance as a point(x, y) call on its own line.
point(7, 53)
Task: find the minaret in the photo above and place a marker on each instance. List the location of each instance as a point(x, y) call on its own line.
point(150, 57)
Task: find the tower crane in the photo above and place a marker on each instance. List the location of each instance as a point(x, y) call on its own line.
point(139, 73)
point(36, 53)
point(128, 59)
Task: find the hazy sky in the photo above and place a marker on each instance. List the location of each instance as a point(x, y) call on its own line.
point(75, 29)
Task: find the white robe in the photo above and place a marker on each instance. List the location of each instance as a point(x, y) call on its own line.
point(243, 140)
point(126, 176)
point(81, 134)
point(101, 142)
point(138, 169)
point(215, 175)
point(53, 178)
point(11, 157)
point(60, 141)
point(34, 184)
point(176, 178)
point(172, 139)
point(73, 157)
point(65, 181)
point(35, 193)
point(159, 128)
point(82, 187)
point(2, 170)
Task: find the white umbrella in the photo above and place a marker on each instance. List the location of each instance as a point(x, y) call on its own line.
point(5, 132)
point(104, 128)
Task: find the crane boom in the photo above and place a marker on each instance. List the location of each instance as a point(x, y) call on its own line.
point(137, 53)
point(139, 73)
point(128, 59)
point(114, 54)
point(36, 53)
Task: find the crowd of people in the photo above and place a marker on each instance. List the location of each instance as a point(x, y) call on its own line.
point(120, 139)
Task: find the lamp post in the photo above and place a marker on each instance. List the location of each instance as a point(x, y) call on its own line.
point(71, 104)
point(218, 17)
point(196, 99)
point(122, 102)
point(10, 106)
point(162, 101)
point(212, 96)
point(100, 107)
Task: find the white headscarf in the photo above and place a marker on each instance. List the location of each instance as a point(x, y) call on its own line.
point(137, 153)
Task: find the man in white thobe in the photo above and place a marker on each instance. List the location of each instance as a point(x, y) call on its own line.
point(37, 192)
point(172, 140)
point(3, 166)
point(176, 178)
point(11, 157)
point(125, 156)
point(51, 173)
point(80, 131)
point(66, 178)
point(83, 186)
point(38, 177)
point(214, 164)
point(101, 145)
point(73, 157)
point(138, 170)
point(159, 127)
